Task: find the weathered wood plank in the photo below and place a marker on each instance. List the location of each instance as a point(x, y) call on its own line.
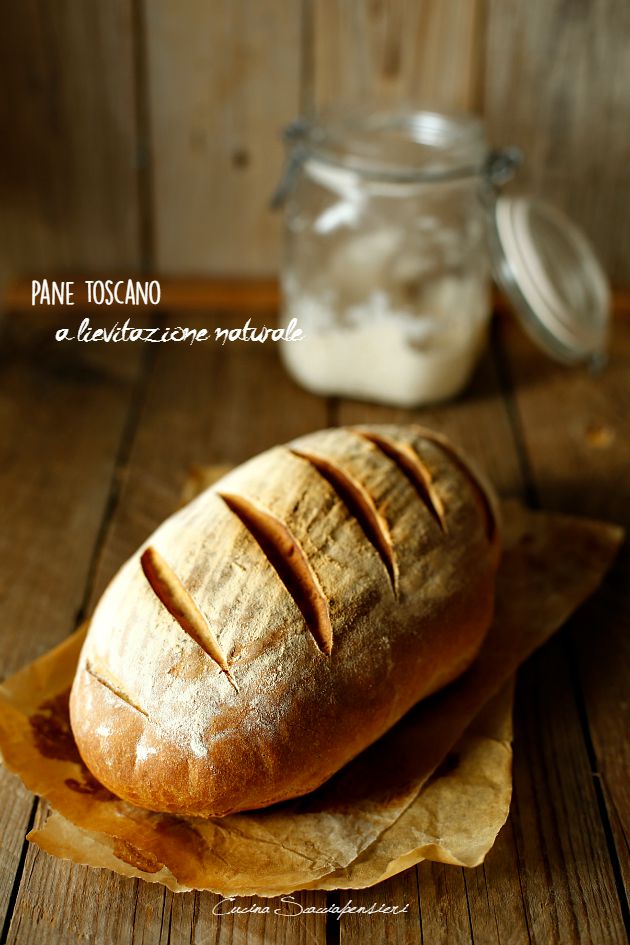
point(443, 903)
point(61, 904)
point(386, 53)
point(447, 62)
point(575, 435)
point(68, 197)
point(400, 929)
point(556, 83)
point(223, 80)
point(564, 866)
point(56, 470)
point(497, 913)
point(17, 808)
point(203, 404)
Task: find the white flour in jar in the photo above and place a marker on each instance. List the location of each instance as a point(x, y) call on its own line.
point(374, 350)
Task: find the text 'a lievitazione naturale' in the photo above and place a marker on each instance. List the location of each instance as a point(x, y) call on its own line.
point(127, 331)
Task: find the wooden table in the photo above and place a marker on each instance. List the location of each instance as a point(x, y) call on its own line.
point(96, 441)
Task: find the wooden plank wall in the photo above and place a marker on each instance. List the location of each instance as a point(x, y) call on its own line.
point(557, 83)
point(223, 78)
point(68, 137)
point(139, 134)
point(390, 51)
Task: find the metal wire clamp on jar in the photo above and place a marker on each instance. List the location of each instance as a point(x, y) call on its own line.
point(386, 261)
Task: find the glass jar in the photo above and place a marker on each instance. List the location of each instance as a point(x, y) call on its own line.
point(386, 263)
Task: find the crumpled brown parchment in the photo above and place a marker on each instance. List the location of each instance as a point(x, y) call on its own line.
point(437, 786)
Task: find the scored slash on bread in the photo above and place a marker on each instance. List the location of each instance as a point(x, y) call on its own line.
point(287, 557)
point(482, 490)
point(332, 583)
point(359, 503)
point(414, 469)
point(114, 687)
point(180, 604)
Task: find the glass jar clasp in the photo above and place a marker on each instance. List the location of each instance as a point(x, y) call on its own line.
point(501, 165)
point(294, 137)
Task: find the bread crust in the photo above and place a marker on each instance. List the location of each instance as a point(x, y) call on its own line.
point(382, 537)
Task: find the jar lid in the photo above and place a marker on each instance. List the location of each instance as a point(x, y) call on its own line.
point(547, 268)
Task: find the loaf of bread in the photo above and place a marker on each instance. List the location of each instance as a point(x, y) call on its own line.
point(281, 622)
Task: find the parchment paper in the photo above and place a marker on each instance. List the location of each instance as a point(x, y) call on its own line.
point(436, 786)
